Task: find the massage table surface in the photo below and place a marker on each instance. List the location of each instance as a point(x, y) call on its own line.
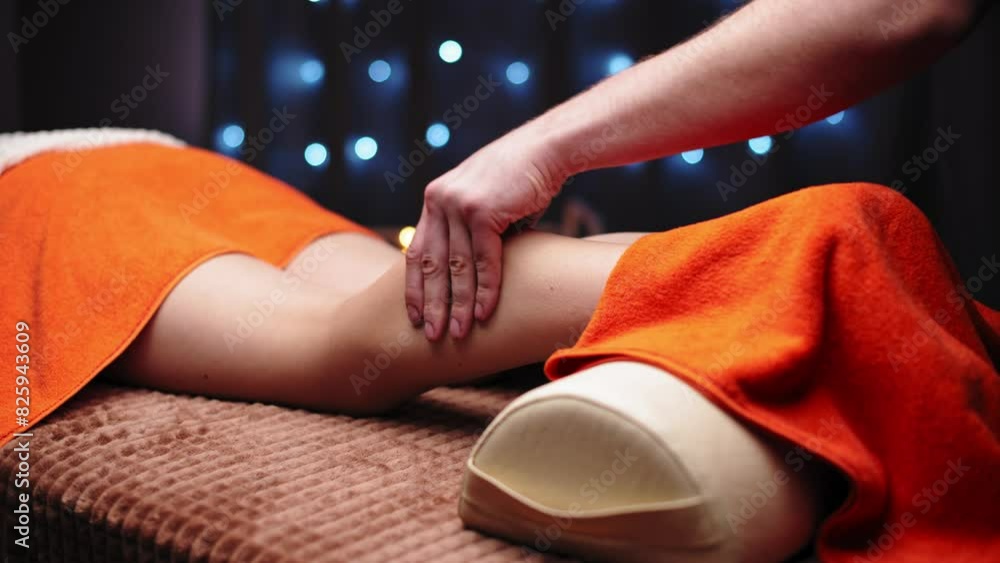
point(127, 474)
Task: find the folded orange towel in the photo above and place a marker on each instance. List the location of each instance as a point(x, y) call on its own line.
point(832, 317)
point(93, 241)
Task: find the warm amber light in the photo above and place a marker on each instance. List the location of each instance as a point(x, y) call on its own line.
point(406, 236)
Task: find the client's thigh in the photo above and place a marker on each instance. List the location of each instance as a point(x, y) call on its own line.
point(345, 262)
point(625, 238)
point(238, 327)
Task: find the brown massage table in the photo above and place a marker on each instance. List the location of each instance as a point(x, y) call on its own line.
point(121, 474)
point(125, 474)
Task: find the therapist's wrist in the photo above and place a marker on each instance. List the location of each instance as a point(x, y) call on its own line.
point(571, 144)
point(539, 148)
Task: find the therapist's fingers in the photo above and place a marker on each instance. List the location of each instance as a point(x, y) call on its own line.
point(414, 292)
point(463, 277)
point(487, 253)
point(434, 268)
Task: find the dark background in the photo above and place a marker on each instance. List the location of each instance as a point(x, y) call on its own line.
point(234, 62)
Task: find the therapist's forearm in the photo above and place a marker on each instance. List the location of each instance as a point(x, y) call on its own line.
point(746, 77)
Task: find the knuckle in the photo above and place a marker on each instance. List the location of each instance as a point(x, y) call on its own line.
point(438, 195)
point(483, 219)
point(435, 308)
point(458, 265)
point(413, 254)
point(429, 265)
point(432, 193)
point(450, 199)
point(461, 296)
point(469, 206)
point(485, 286)
point(484, 266)
point(460, 303)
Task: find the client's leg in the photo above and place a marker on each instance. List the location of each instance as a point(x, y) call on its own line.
point(551, 285)
point(234, 327)
point(237, 327)
point(346, 262)
point(618, 238)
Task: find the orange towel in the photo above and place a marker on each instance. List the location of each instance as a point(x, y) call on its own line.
point(834, 318)
point(93, 241)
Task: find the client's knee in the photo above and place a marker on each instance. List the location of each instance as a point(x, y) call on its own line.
point(862, 201)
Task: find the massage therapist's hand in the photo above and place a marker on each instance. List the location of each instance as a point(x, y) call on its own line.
point(831, 56)
point(453, 263)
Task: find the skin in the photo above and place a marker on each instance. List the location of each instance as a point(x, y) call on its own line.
point(347, 317)
point(708, 91)
point(312, 349)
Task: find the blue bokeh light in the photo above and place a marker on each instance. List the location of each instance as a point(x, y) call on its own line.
point(365, 148)
point(232, 136)
point(438, 135)
point(450, 51)
point(619, 62)
point(316, 154)
point(836, 118)
point(693, 157)
point(379, 71)
point(294, 72)
point(311, 71)
point(518, 72)
point(760, 145)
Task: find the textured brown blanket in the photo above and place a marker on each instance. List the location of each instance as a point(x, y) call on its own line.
point(121, 474)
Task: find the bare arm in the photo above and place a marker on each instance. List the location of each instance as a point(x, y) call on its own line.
point(747, 76)
point(742, 78)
